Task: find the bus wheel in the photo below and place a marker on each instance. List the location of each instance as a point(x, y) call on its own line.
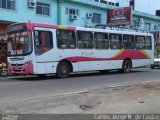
point(126, 67)
point(63, 70)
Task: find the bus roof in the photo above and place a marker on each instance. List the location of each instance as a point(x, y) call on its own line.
point(31, 25)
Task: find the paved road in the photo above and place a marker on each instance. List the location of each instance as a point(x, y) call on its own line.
point(24, 88)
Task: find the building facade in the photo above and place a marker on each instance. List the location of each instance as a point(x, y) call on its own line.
point(146, 6)
point(84, 13)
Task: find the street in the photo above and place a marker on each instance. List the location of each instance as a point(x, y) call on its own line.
point(19, 89)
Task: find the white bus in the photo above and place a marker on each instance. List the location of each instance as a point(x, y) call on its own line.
point(42, 49)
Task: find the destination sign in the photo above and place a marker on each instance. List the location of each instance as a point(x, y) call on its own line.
point(16, 28)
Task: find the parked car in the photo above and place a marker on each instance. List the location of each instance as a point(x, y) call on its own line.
point(156, 63)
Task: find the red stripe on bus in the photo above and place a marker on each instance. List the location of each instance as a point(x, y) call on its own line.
point(132, 54)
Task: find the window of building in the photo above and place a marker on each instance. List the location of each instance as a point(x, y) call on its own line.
point(72, 11)
point(84, 40)
point(115, 41)
point(96, 18)
point(140, 42)
point(147, 26)
point(7, 4)
point(43, 41)
point(43, 9)
point(128, 41)
point(148, 43)
point(101, 41)
point(104, 1)
point(66, 39)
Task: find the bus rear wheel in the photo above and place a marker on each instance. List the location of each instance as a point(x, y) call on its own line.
point(63, 70)
point(126, 66)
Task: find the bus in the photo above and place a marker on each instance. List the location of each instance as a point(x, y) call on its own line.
point(41, 49)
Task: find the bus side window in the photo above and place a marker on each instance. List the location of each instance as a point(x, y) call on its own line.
point(115, 41)
point(79, 44)
point(66, 39)
point(148, 43)
point(140, 42)
point(84, 40)
point(43, 41)
point(101, 41)
point(128, 41)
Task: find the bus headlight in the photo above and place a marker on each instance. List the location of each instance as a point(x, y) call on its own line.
point(28, 63)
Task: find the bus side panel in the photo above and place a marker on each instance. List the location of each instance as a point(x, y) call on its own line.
point(116, 64)
point(105, 65)
point(84, 66)
point(98, 65)
point(75, 66)
point(141, 62)
point(46, 68)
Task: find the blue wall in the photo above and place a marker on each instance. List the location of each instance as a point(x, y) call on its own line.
point(23, 13)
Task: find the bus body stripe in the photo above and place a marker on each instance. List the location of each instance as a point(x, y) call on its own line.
point(121, 55)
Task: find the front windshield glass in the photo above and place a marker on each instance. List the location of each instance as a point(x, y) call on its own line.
point(19, 43)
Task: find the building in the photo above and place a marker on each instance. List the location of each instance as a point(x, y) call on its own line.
point(27, 10)
point(146, 6)
point(85, 13)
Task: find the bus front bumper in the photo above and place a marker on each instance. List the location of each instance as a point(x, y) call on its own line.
point(22, 69)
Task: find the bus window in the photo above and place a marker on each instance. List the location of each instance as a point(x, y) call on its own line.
point(84, 40)
point(128, 41)
point(19, 43)
point(43, 41)
point(148, 43)
point(101, 40)
point(115, 41)
point(140, 42)
point(66, 39)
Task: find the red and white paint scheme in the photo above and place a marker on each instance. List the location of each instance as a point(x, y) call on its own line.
point(41, 49)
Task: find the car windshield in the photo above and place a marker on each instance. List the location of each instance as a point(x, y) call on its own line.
point(19, 43)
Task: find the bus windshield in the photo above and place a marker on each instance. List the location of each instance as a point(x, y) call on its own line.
point(19, 43)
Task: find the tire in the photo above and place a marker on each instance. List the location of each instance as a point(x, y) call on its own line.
point(126, 66)
point(63, 70)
